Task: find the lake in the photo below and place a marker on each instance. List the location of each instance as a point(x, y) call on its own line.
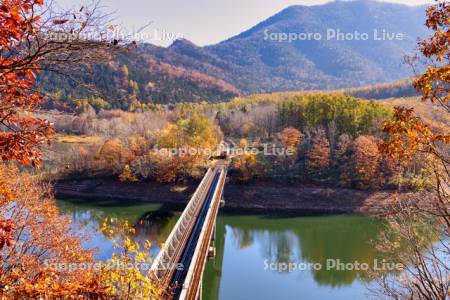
point(254, 252)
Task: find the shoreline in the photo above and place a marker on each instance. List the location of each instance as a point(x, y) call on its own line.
point(255, 197)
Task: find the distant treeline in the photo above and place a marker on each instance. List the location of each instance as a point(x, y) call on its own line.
point(396, 89)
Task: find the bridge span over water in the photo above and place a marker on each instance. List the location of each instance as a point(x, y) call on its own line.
point(179, 266)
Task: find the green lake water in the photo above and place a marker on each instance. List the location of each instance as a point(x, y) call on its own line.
point(252, 251)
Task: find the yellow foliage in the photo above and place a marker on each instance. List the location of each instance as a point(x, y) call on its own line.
point(248, 166)
point(128, 277)
point(243, 143)
point(77, 139)
point(127, 175)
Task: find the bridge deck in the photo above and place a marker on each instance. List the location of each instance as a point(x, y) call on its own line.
point(179, 265)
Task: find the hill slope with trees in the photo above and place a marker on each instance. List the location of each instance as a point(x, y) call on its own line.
point(253, 62)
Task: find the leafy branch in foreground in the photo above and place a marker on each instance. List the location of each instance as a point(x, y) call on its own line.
point(421, 225)
point(434, 83)
point(37, 244)
point(35, 257)
point(124, 275)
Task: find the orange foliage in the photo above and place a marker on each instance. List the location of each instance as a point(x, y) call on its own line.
point(114, 154)
point(319, 154)
point(138, 145)
point(21, 134)
point(6, 225)
point(291, 137)
point(6, 233)
point(366, 159)
point(408, 135)
point(424, 222)
point(41, 239)
point(434, 83)
point(168, 167)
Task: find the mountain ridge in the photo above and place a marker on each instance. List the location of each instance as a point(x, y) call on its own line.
point(250, 62)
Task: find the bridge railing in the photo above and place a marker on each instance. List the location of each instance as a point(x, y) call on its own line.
point(192, 284)
point(165, 262)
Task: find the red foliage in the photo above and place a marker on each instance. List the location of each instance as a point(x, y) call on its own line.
point(6, 233)
point(22, 134)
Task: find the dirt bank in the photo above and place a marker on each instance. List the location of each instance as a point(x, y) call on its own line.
point(260, 197)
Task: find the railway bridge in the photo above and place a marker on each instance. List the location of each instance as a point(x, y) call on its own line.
point(179, 266)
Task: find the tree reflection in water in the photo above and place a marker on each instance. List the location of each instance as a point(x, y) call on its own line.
point(348, 239)
point(152, 222)
point(243, 243)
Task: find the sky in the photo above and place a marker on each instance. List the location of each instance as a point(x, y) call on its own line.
point(203, 22)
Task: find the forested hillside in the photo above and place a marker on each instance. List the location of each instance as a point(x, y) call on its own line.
point(255, 62)
point(131, 82)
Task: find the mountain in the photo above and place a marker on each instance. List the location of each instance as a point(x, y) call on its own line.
point(254, 62)
point(258, 60)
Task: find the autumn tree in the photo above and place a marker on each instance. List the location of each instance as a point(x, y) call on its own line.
point(318, 158)
point(138, 145)
point(30, 43)
point(127, 175)
point(410, 136)
point(290, 137)
point(6, 225)
point(113, 155)
point(34, 239)
point(184, 146)
point(248, 166)
point(366, 157)
point(34, 260)
point(426, 274)
point(45, 259)
point(166, 168)
point(25, 50)
point(344, 143)
point(434, 83)
point(20, 134)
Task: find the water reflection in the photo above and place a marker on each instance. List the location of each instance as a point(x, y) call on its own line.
point(249, 241)
point(152, 222)
point(244, 243)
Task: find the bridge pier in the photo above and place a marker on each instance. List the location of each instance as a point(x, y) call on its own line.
point(212, 244)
